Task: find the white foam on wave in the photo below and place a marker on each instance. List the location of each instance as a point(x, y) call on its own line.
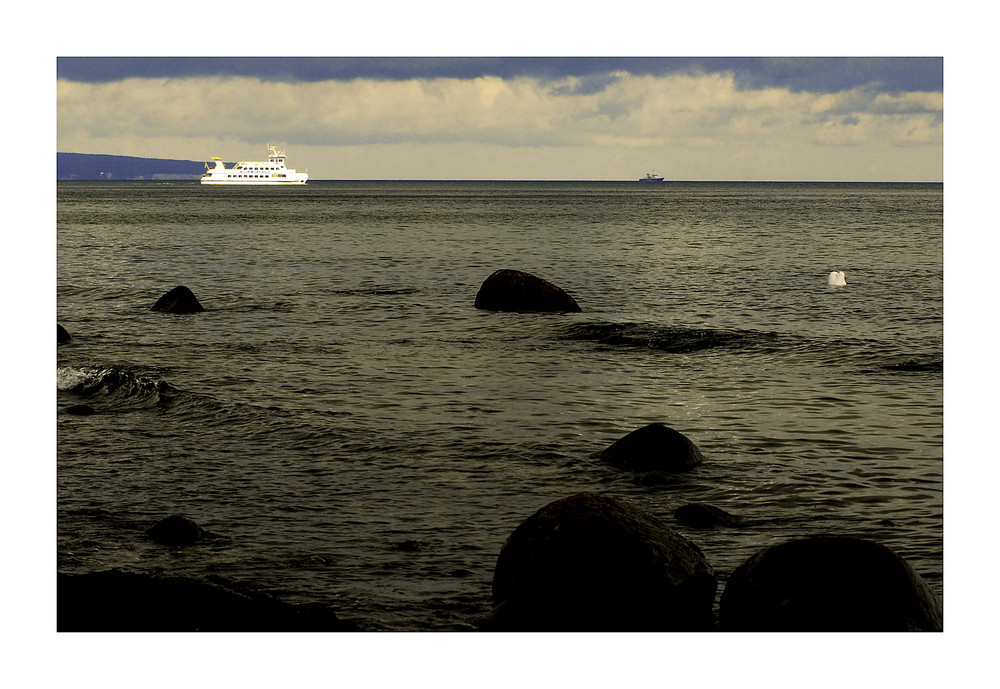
point(836, 279)
point(68, 378)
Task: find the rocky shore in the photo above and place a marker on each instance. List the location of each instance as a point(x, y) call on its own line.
point(586, 562)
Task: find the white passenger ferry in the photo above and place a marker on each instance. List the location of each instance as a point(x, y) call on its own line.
point(271, 172)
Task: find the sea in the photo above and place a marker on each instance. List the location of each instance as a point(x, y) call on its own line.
point(349, 430)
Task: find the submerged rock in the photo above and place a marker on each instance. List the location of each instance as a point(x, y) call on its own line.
point(116, 601)
point(178, 300)
point(701, 514)
point(63, 335)
point(514, 290)
point(594, 563)
point(828, 584)
point(80, 409)
point(410, 546)
point(654, 448)
point(175, 530)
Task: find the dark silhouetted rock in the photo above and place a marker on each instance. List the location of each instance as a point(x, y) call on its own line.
point(175, 530)
point(409, 546)
point(63, 335)
point(828, 584)
point(80, 409)
point(594, 563)
point(700, 514)
point(513, 290)
point(653, 448)
point(116, 601)
point(178, 300)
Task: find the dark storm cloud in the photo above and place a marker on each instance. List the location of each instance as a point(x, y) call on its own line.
point(814, 75)
point(833, 74)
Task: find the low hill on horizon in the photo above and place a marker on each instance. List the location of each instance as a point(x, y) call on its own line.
point(95, 166)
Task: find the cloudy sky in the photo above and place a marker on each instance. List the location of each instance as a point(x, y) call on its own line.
point(553, 118)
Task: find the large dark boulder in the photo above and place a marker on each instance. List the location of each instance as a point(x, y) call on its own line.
point(62, 334)
point(116, 601)
point(828, 584)
point(175, 530)
point(513, 290)
point(594, 563)
point(178, 300)
point(653, 448)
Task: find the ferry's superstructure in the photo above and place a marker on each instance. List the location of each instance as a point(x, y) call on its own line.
point(271, 172)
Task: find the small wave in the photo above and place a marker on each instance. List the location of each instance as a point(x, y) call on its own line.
point(676, 340)
point(916, 364)
point(278, 306)
point(114, 385)
point(69, 378)
point(376, 291)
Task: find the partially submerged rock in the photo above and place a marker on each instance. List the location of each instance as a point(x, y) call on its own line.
point(62, 334)
point(410, 546)
point(653, 448)
point(514, 290)
point(175, 530)
point(594, 563)
point(828, 584)
point(702, 514)
point(178, 300)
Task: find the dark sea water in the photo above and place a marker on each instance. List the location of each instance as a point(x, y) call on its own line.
point(350, 430)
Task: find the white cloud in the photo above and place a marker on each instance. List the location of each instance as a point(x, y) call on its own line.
point(703, 126)
point(849, 131)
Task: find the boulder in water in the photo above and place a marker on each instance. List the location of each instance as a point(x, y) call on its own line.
point(828, 584)
point(178, 300)
point(80, 410)
point(595, 563)
point(175, 530)
point(514, 290)
point(653, 448)
point(63, 335)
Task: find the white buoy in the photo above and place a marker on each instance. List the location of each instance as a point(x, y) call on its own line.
point(837, 278)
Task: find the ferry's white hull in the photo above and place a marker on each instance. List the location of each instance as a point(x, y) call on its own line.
point(251, 182)
point(254, 174)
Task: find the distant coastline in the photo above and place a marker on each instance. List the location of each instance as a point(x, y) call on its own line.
point(99, 167)
point(93, 166)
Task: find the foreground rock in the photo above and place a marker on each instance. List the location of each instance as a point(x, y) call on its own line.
point(513, 290)
point(116, 601)
point(594, 563)
point(178, 300)
point(653, 448)
point(828, 584)
point(175, 530)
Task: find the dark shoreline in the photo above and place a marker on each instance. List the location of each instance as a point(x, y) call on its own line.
point(117, 601)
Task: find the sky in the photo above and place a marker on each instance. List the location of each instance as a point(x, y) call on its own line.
point(553, 117)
